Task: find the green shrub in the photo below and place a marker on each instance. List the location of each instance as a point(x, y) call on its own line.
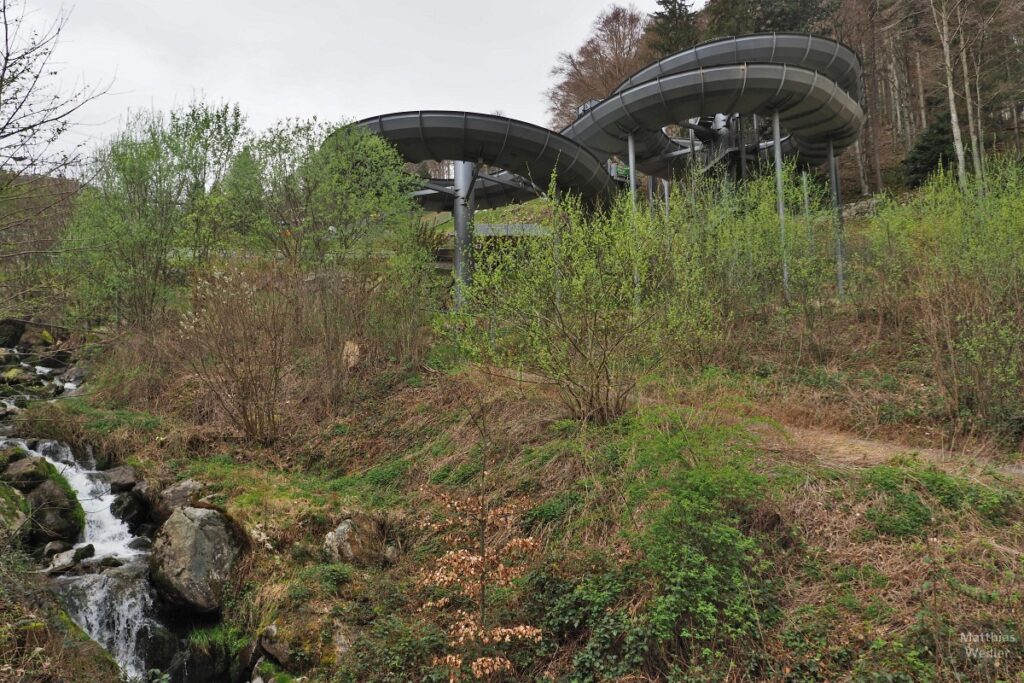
point(604, 299)
point(949, 266)
point(903, 512)
point(394, 651)
point(553, 510)
point(330, 578)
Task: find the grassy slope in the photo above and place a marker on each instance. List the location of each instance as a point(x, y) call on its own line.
point(691, 538)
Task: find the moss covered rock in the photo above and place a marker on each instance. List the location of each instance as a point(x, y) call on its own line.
point(56, 513)
point(13, 512)
point(27, 473)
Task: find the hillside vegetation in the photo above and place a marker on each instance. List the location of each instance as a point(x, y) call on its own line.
point(631, 455)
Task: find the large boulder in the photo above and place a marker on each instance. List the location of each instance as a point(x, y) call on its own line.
point(193, 555)
point(27, 473)
point(56, 514)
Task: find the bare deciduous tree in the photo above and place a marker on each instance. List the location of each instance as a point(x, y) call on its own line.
point(35, 113)
point(616, 49)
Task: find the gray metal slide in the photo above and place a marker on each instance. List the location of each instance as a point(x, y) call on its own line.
point(812, 83)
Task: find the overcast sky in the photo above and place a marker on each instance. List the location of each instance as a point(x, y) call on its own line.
point(336, 60)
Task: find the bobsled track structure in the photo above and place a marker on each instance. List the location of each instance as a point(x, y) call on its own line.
point(726, 102)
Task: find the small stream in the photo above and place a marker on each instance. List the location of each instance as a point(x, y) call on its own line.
point(109, 595)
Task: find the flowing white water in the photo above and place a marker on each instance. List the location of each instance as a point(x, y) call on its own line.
point(105, 532)
point(112, 606)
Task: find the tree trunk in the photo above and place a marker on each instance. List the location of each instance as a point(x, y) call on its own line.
point(897, 96)
point(858, 154)
point(969, 98)
point(981, 120)
point(920, 92)
point(874, 122)
point(941, 16)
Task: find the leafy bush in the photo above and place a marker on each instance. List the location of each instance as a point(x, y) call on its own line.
point(150, 213)
point(951, 266)
point(601, 301)
point(309, 191)
point(238, 341)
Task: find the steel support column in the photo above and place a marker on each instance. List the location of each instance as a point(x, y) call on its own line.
point(465, 204)
point(632, 169)
point(667, 187)
point(837, 206)
point(743, 147)
point(780, 201)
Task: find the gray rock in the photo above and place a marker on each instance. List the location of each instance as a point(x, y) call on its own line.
point(56, 515)
point(85, 552)
point(62, 562)
point(363, 539)
point(131, 508)
point(19, 376)
point(342, 639)
point(27, 473)
point(275, 646)
point(122, 478)
point(54, 547)
point(75, 375)
point(357, 539)
point(157, 645)
point(193, 556)
point(140, 543)
point(182, 494)
point(11, 455)
point(245, 661)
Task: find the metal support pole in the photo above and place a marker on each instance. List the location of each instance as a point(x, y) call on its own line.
point(837, 205)
point(757, 140)
point(668, 197)
point(632, 169)
point(780, 201)
point(465, 203)
point(743, 148)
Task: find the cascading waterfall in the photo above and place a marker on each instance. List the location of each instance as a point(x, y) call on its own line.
point(112, 606)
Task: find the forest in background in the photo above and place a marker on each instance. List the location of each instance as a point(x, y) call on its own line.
point(943, 78)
